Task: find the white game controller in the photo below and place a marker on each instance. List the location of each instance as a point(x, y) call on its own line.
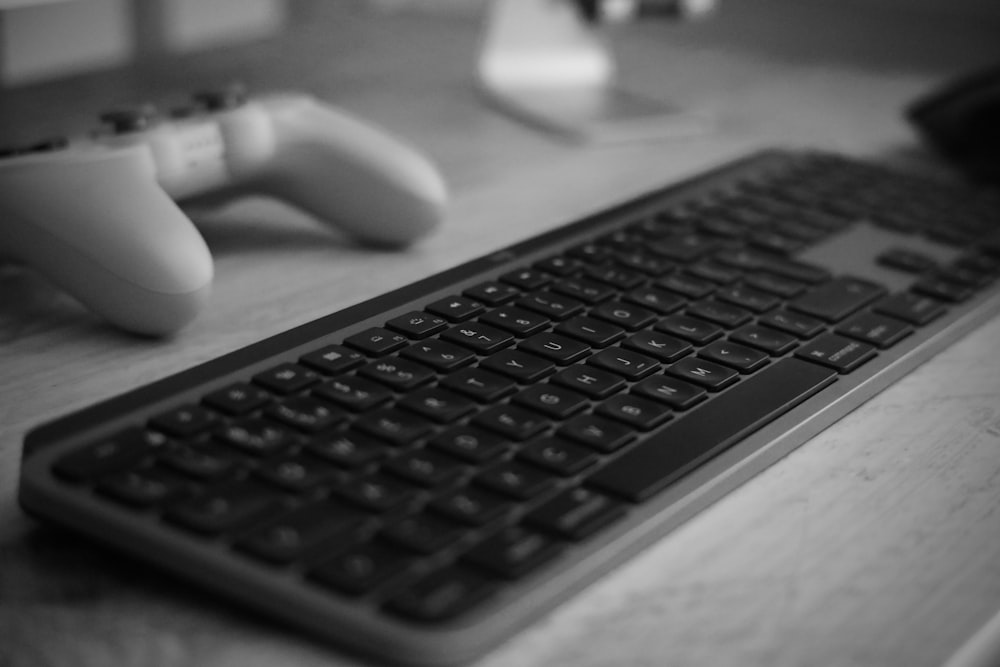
point(100, 215)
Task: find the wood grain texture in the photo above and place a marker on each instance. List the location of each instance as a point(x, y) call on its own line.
point(878, 543)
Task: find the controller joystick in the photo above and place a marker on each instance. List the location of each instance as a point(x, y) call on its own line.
point(101, 215)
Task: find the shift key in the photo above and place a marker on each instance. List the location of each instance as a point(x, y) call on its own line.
point(686, 443)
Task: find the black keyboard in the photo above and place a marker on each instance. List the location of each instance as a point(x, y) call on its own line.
point(419, 476)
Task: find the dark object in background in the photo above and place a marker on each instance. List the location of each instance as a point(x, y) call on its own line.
point(961, 119)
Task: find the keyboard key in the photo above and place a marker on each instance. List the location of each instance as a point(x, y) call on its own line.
point(439, 355)
point(702, 372)
point(559, 266)
point(512, 422)
point(687, 285)
point(397, 427)
point(333, 359)
point(681, 446)
point(713, 272)
point(224, 508)
point(589, 381)
point(417, 325)
point(686, 248)
point(772, 341)
point(556, 348)
point(424, 467)
point(780, 244)
point(286, 378)
point(742, 259)
point(644, 262)
point(835, 300)
point(658, 300)
point(376, 493)
point(238, 398)
point(361, 569)
point(598, 433)
point(800, 325)
point(441, 595)
point(349, 449)
point(109, 455)
point(742, 358)
point(296, 473)
point(724, 314)
point(397, 374)
point(353, 393)
point(837, 352)
point(185, 421)
point(629, 364)
point(965, 275)
point(290, 536)
point(471, 506)
point(518, 321)
point(678, 394)
point(911, 308)
point(576, 513)
point(660, 346)
point(513, 552)
point(747, 297)
point(377, 341)
point(785, 288)
point(456, 308)
point(516, 480)
point(422, 533)
point(941, 288)
point(527, 279)
point(492, 293)
point(306, 414)
point(439, 405)
point(478, 337)
point(905, 260)
point(877, 330)
point(624, 315)
point(590, 331)
point(551, 305)
point(800, 271)
point(140, 488)
point(471, 444)
point(558, 456)
point(521, 366)
point(620, 279)
point(484, 386)
point(596, 253)
point(640, 413)
point(256, 437)
point(204, 460)
point(691, 329)
point(551, 400)
point(585, 290)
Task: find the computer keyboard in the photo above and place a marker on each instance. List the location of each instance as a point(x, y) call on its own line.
point(419, 476)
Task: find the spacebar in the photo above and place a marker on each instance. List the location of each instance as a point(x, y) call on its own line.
point(681, 445)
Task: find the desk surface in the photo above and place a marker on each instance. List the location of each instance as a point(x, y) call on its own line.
point(878, 543)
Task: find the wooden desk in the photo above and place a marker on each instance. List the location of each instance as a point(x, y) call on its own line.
point(877, 543)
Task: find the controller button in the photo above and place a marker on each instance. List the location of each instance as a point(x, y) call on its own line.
point(12, 151)
point(50, 145)
point(133, 119)
point(227, 97)
point(186, 111)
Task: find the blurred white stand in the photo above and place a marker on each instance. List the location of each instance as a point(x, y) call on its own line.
point(543, 62)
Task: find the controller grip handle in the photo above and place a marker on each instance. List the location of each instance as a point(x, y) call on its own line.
point(102, 230)
point(375, 187)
